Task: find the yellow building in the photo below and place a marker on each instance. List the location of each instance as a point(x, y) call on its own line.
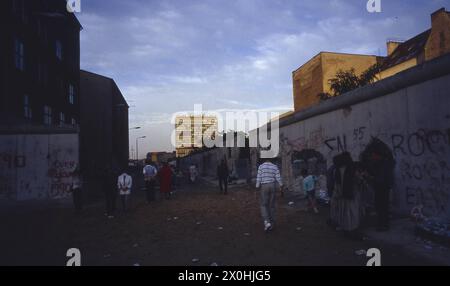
point(190, 130)
point(313, 77)
point(426, 46)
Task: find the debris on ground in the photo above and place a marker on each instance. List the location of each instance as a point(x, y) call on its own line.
point(220, 228)
point(195, 260)
point(107, 256)
point(199, 223)
point(135, 245)
point(136, 264)
point(360, 252)
point(434, 229)
point(214, 264)
point(247, 234)
point(298, 228)
point(291, 204)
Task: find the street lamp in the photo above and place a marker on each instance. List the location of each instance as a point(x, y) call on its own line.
point(137, 146)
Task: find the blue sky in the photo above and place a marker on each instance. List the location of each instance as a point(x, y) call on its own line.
point(167, 56)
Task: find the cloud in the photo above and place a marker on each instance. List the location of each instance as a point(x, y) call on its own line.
point(167, 56)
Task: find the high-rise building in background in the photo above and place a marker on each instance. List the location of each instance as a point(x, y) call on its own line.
point(190, 130)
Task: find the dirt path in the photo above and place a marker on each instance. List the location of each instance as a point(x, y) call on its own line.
point(198, 223)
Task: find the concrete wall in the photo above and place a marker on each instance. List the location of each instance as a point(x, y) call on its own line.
point(37, 166)
point(408, 112)
point(208, 161)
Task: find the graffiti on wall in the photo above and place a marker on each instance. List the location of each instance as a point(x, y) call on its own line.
point(424, 168)
point(60, 178)
point(422, 161)
point(8, 163)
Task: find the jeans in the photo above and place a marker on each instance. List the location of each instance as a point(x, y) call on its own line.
point(267, 202)
point(223, 184)
point(125, 201)
point(150, 191)
point(382, 206)
point(77, 199)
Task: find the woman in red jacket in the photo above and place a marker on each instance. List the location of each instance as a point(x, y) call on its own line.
point(165, 177)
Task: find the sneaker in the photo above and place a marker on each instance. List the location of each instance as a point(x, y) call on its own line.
point(267, 226)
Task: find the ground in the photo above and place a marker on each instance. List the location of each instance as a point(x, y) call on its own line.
point(198, 223)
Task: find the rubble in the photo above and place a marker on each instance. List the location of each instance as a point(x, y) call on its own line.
point(360, 252)
point(434, 229)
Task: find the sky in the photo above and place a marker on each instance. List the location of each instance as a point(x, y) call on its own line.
point(166, 56)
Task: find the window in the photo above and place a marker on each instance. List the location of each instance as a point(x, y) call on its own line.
point(59, 50)
point(47, 115)
point(71, 94)
point(42, 73)
point(74, 122)
point(26, 107)
point(18, 7)
point(19, 55)
point(62, 119)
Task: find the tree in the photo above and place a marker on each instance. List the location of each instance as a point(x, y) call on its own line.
point(345, 81)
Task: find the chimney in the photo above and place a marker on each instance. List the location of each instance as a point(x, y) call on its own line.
point(391, 46)
point(438, 15)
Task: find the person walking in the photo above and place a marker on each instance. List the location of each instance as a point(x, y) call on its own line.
point(150, 173)
point(222, 174)
point(309, 187)
point(193, 172)
point(76, 189)
point(267, 178)
point(165, 177)
point(124, 184)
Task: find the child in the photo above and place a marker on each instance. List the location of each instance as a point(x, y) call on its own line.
point(309, 187)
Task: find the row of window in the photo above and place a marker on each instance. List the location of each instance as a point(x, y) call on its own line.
point(19, 53)
point(42, 72)
point(48, 115)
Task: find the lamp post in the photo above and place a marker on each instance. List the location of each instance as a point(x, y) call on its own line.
point(137, 147)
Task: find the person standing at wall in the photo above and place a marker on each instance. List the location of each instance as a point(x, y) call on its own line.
point(346, 207)
point(124, 184)
point(76, 189)
point(379, 163)
point(109, 188)
point(150, 173)
point(267, 178)
point(165, 177)
point(222, 174)
point(381, 177)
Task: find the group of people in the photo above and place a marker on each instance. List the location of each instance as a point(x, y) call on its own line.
point(346, 181)
point(122, 186)
point(165, 175)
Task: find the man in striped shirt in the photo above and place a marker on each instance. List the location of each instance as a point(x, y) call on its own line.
point(266, 180)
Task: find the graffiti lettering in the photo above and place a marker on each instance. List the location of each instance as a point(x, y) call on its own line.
point(418, 143)
point(14, 161)
point(338, 143)
point(358, 133)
